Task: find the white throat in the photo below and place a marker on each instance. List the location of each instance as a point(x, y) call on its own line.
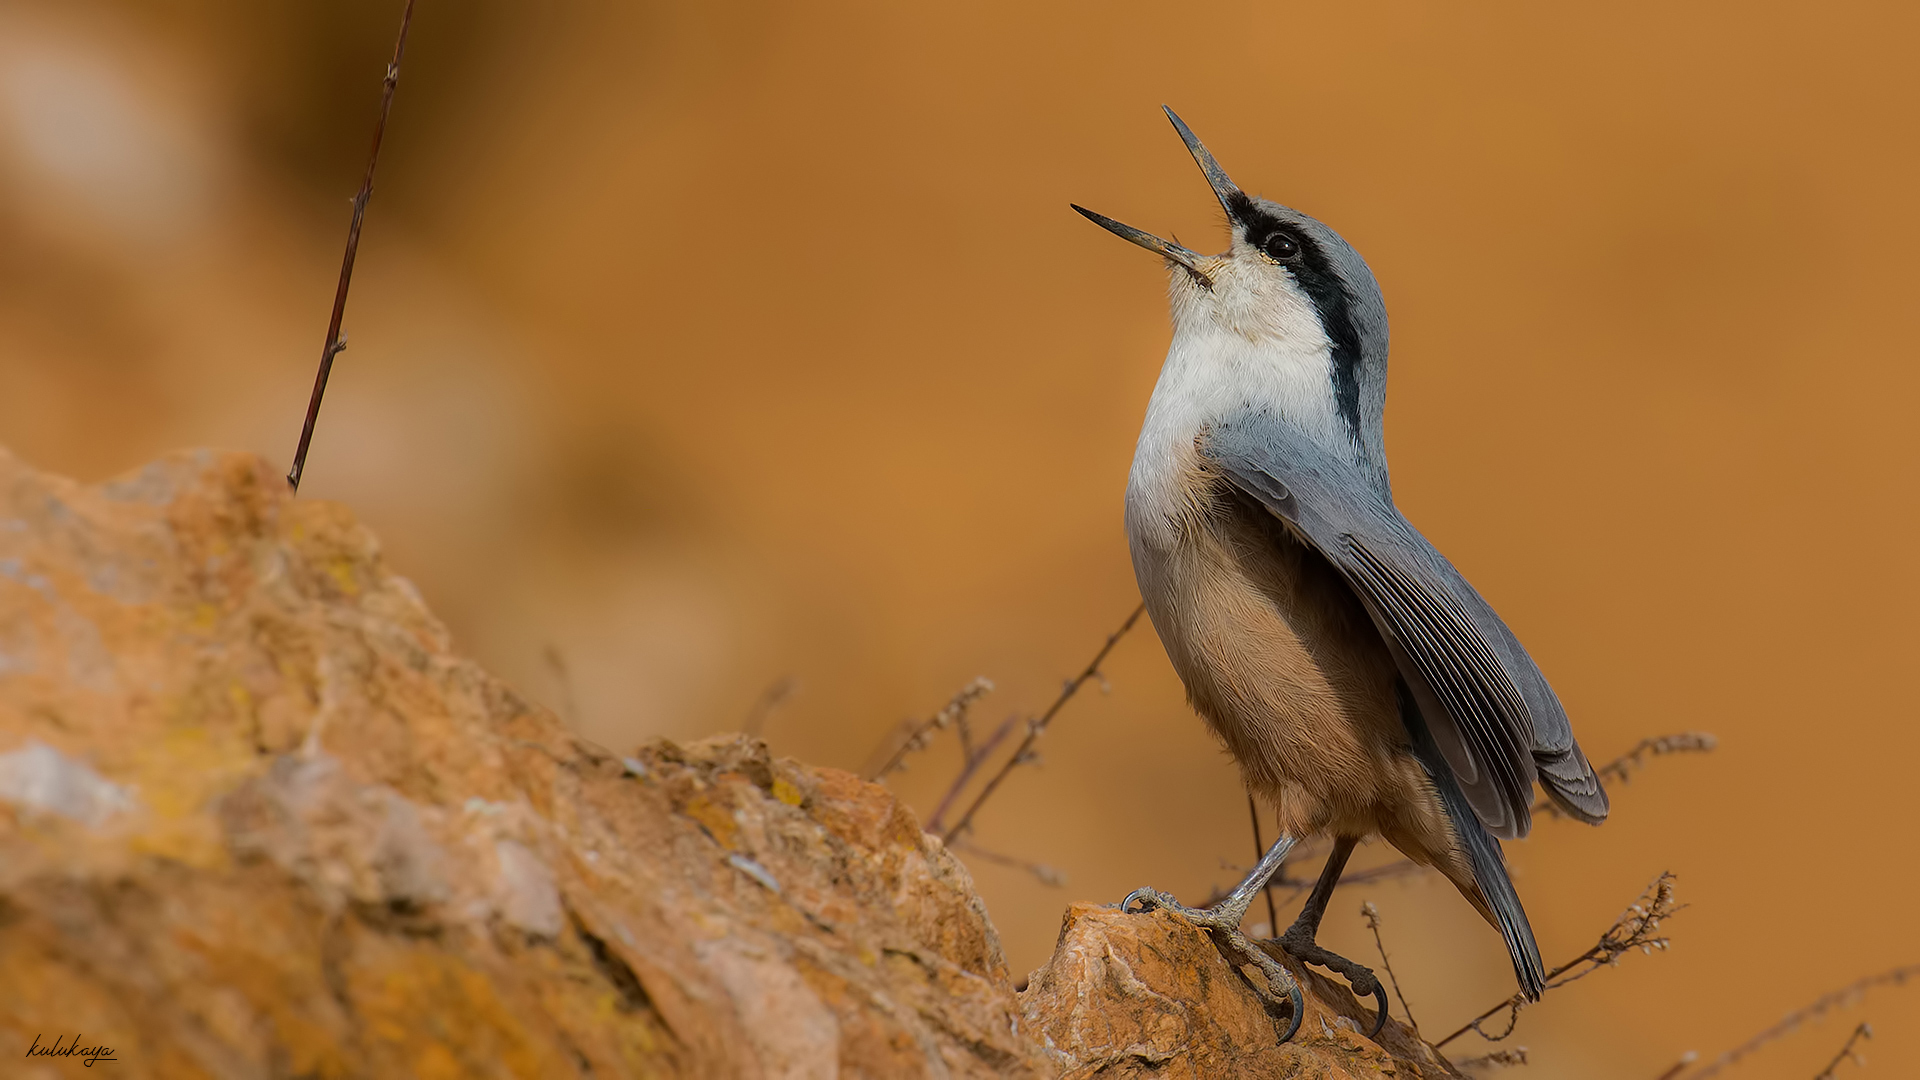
point(1214, 371)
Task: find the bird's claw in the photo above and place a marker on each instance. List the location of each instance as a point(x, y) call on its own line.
point(1224, 928)
point(1141, 901)
point(1278, 978)
point(1361, 978)
point(1380, 1005)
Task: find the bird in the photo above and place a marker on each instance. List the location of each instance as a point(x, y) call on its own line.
point(1362, 686)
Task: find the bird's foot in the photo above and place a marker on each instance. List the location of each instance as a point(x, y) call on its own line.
point(1298, 942)
point(1222, 923)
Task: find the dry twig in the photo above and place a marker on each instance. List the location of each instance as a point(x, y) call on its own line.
point(1499, 1058)
point(1036, 728)
point(1622, 768)
point(1680, 1066)
point(1825, 1003)
point(918, 735)
point(1637, 928)
point(1372, 915)
point(974, 759)
point(557, 664)
point(777, 693)
point(1847, 1052)
point(336, 342)
point(1047, 875)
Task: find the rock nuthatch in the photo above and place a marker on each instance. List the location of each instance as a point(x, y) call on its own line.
point(1364, 688)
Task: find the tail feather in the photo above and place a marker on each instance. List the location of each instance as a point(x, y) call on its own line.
point(1569, 780)
point(1483, 852)
point(1490, 872)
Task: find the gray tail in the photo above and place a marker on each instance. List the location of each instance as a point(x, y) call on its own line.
point(1489, 866)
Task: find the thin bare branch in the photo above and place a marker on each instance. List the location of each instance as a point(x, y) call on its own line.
point(1372, 915)
point(1036, 728)
point(936, 821)
point(918, 735)
point(1820, 1006)
point(336, 342)
point(1637, 928)
point(777, 693)
point(557, 664)
point(1622, 769)
point(1847, 1053)
point(1047, 875)
point(1678, 1067)
point(1516, 1055)
point(963, 728)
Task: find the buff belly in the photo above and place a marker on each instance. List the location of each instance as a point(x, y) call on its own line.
point(1285, 666)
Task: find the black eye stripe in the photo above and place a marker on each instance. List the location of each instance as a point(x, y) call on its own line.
point(1332, 301)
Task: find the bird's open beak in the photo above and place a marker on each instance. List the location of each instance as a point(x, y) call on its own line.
point(1167, 249)
point(1223, 189)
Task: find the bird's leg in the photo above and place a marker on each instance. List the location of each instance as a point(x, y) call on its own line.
point(1299, 941)
point(1222, 923)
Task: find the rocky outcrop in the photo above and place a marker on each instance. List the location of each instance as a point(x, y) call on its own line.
point(1150, 996)
point(258, 819)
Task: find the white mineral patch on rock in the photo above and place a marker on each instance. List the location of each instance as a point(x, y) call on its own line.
point(39, 778)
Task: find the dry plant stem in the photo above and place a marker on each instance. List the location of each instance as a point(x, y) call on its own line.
point(1047, 875)
point(1038, 727)
point(919, 735)
point(1825, 1003)
point(893, 747)
point(775, 695)
point(335, 342)
point(1679, 1067)
point(1515, 1056)
point(1621, 769)
point(1637, 928)
point(1372, 915)
point(1863, 1031)
point(558, 665)
point(974, 760)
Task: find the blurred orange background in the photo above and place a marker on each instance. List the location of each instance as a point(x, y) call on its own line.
point(700, 346)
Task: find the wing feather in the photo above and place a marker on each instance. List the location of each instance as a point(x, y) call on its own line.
point(1500, 727)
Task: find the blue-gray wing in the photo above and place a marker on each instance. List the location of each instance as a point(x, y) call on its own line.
point(1493, 716)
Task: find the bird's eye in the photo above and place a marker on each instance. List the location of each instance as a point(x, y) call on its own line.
point(1280, 247)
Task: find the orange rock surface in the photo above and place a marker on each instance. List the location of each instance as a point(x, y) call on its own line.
point(257, 818)
point(1150, 996)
